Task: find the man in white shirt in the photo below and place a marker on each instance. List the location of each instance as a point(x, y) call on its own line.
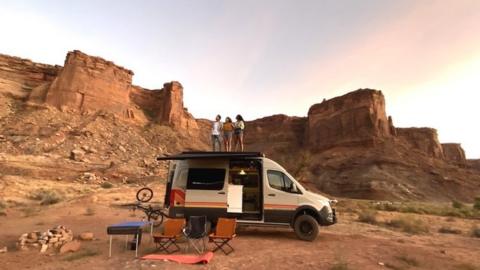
point(217, 134)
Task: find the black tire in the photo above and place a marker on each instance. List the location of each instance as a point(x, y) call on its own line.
point(306, 227)
point(156, 217)
point(144, 194)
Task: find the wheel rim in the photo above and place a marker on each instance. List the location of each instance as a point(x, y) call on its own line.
point(306, 228)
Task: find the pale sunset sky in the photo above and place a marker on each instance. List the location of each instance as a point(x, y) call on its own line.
point(259, 58)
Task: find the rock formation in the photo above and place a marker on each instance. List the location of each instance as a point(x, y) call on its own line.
point(19, 76)
point(422, 139)
point(357, 118)
point(454, 153)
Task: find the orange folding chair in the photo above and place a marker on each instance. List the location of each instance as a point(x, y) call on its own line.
point(172, 231)
point(224, 232)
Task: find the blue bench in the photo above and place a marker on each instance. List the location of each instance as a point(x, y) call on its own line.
point(128, 228)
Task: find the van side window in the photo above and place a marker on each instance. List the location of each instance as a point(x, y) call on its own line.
point(206, 179)
point(281, 181)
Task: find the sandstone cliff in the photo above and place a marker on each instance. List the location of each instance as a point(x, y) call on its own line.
point(422, 139)
point(357, 118)
point(19, 76)
point(454, 153)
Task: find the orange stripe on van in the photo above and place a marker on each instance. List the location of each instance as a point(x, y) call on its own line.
point(206, 204)
point(280, 206)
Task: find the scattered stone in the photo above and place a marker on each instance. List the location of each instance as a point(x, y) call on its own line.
point(86, 236)
point(54, 238)
point(77, 154)
point(44, 248)
point(3, 250)
point(121, 148)
point(70, 247)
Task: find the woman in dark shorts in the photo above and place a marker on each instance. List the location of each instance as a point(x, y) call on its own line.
point(228, 134)
point(238, 132)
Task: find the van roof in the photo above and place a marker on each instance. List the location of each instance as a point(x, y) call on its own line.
point(209, 155)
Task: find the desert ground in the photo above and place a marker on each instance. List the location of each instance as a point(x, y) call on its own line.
point(362, 239)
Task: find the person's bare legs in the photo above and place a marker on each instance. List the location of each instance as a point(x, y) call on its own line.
point(230, 143)
point(240, 140)
point(225, 143)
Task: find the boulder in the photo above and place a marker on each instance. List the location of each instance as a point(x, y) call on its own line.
point(77, 155)
point(86, 236)
point(72, 246)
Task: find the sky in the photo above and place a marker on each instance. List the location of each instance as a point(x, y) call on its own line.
point(265, 57)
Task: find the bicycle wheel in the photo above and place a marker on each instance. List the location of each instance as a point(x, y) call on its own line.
point(144, 194)
point(157, 218)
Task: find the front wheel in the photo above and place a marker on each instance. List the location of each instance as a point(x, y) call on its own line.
point(306, 227)
point(144, 194)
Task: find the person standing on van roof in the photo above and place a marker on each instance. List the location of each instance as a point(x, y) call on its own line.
point(238, 132)
point(227, 134)
point(216, 132)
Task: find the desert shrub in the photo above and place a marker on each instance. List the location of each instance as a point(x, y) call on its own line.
point(340, 265)
point(476, 232)
point(80, 255)
point(368, 216)
point(106, 185)
point(408, 260)
point(30, 211)
point(46, 197)
point(409, 225)
point(457, 204)
point(89, 211)
point(449, 230)
point(3, 206)
point(476, 203)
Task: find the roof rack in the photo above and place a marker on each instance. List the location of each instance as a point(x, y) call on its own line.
point(206, 155)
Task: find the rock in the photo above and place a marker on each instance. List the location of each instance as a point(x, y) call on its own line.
point(454, 153)
point(77, 155)
point(357, 118)
point(3, 250)
point(89, 176)
point(121, 148)
point(32, 236)
point(43, 249)
point(70, 247)
point(86, 236)
point(423, 139)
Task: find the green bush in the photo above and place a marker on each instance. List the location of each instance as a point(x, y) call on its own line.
point(408, 225)
point(457, 204)
point(476, 204)
point(106, 185)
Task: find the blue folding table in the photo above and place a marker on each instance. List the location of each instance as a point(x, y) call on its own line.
point(128, 228)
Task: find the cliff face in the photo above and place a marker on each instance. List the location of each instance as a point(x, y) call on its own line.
point(454, 153)
point(19, 76)
point(357, 118)
point(87, 84)
point(422, 139)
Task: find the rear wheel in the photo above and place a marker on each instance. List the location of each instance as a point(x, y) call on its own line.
point(306, 227)
point(144, 194)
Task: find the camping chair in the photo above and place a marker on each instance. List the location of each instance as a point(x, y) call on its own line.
point(172, 229)
point(224, 232)
point(195, 232)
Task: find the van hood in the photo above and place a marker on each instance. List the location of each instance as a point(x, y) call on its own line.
point(317, 196)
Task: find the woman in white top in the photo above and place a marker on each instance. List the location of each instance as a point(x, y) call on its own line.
point(239, 126)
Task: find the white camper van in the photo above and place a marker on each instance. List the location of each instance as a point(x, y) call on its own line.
point(243, 185)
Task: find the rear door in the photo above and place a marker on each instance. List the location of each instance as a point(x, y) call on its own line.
point(280, 197)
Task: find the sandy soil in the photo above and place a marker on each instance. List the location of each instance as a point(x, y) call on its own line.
point(346, 245)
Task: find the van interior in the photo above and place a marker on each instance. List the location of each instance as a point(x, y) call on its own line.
point(248, 174)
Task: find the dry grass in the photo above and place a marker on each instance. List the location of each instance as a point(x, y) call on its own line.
point(80, 255)
point(455, 209)
point(89, 211)
point(476, 204)
point(368, 216)
point(408, 225)
point(3, 207)
point(449, 230)
point(46, 197)
point(408, 260)
point(475, 232)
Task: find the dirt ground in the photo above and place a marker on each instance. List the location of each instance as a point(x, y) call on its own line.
point(346, 245)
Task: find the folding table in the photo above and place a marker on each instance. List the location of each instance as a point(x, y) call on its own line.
point(128, 228)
